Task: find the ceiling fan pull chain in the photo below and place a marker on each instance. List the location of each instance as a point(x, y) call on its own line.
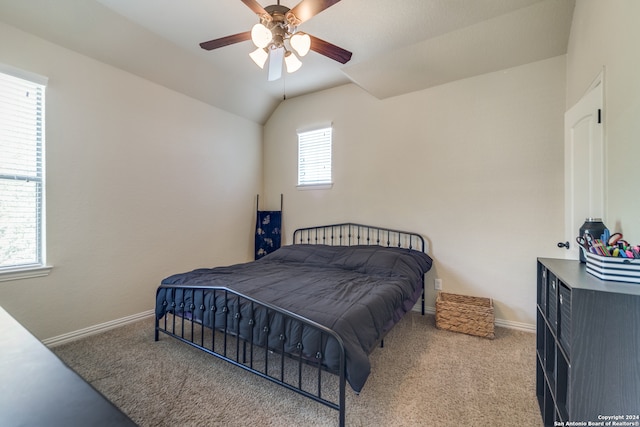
point(284, 89)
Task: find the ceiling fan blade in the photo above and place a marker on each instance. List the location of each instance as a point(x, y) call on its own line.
point(255, 6)
point(276, 57)
point(330, 50)
point(225, 41)
point(309, 8)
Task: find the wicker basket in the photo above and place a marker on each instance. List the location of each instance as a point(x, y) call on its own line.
point(469, 315)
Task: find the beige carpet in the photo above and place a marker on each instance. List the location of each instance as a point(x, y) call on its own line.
point(422, 377)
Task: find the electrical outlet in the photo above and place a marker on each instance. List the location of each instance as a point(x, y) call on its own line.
point(438, 284)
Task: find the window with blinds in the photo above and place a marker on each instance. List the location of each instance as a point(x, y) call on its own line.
point(21, 170)
point(314, 157)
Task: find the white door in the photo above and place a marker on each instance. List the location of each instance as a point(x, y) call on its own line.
point(584, 164)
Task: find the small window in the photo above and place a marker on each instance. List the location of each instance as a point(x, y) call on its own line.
point(314, 157)
point(21, 171)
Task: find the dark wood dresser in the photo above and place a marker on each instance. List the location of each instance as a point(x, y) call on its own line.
point(587, 346)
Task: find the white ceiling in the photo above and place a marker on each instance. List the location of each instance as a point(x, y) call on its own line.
point(398, 46)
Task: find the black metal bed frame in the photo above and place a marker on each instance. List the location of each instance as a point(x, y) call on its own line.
point(262, 350)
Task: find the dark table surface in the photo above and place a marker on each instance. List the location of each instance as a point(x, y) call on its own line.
point(38, 389)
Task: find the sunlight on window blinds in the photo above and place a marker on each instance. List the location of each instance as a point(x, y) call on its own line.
point(314, 157)
point(21, 171)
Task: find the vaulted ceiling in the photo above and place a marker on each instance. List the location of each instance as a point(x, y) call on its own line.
point(398, 46)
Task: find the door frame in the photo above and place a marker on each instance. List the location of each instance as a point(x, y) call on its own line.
point(571, 230)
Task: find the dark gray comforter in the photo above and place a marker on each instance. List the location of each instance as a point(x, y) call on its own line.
point(357, 291)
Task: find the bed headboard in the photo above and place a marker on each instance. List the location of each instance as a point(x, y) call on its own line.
point(350, 234)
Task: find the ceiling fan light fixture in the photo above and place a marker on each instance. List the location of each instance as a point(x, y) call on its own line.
point(259, 56)
point(292, 62)
point(301, 43)
point(261, 36)
point(277, 38)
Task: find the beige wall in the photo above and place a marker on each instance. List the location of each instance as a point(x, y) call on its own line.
point(605, 35)
point(142, 182)
point(475, 166)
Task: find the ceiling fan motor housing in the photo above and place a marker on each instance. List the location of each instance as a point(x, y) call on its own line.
point(278, 23)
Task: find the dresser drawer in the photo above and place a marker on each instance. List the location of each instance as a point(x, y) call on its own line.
point(564, 317)
point(552, 300)
point(542, 287)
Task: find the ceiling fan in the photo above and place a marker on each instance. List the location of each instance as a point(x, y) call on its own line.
point(276, 36)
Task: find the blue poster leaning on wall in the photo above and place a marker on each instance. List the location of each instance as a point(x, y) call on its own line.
point(268, 232)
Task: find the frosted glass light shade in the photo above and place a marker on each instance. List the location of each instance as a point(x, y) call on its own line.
point(259, 56)
point(261, 36)
point(292, 62)
point(301, 42)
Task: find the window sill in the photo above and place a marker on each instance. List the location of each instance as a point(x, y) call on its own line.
point(315, 186)
point(24, 273)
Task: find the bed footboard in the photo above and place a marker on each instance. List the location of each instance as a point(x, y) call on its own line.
point(273, 343)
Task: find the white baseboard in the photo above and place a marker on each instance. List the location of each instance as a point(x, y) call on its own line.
point(96, 329)
point(526, 327)
point(91, 330)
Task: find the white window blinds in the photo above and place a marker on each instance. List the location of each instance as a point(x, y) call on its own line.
point(21, 171)
point(314, 157)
